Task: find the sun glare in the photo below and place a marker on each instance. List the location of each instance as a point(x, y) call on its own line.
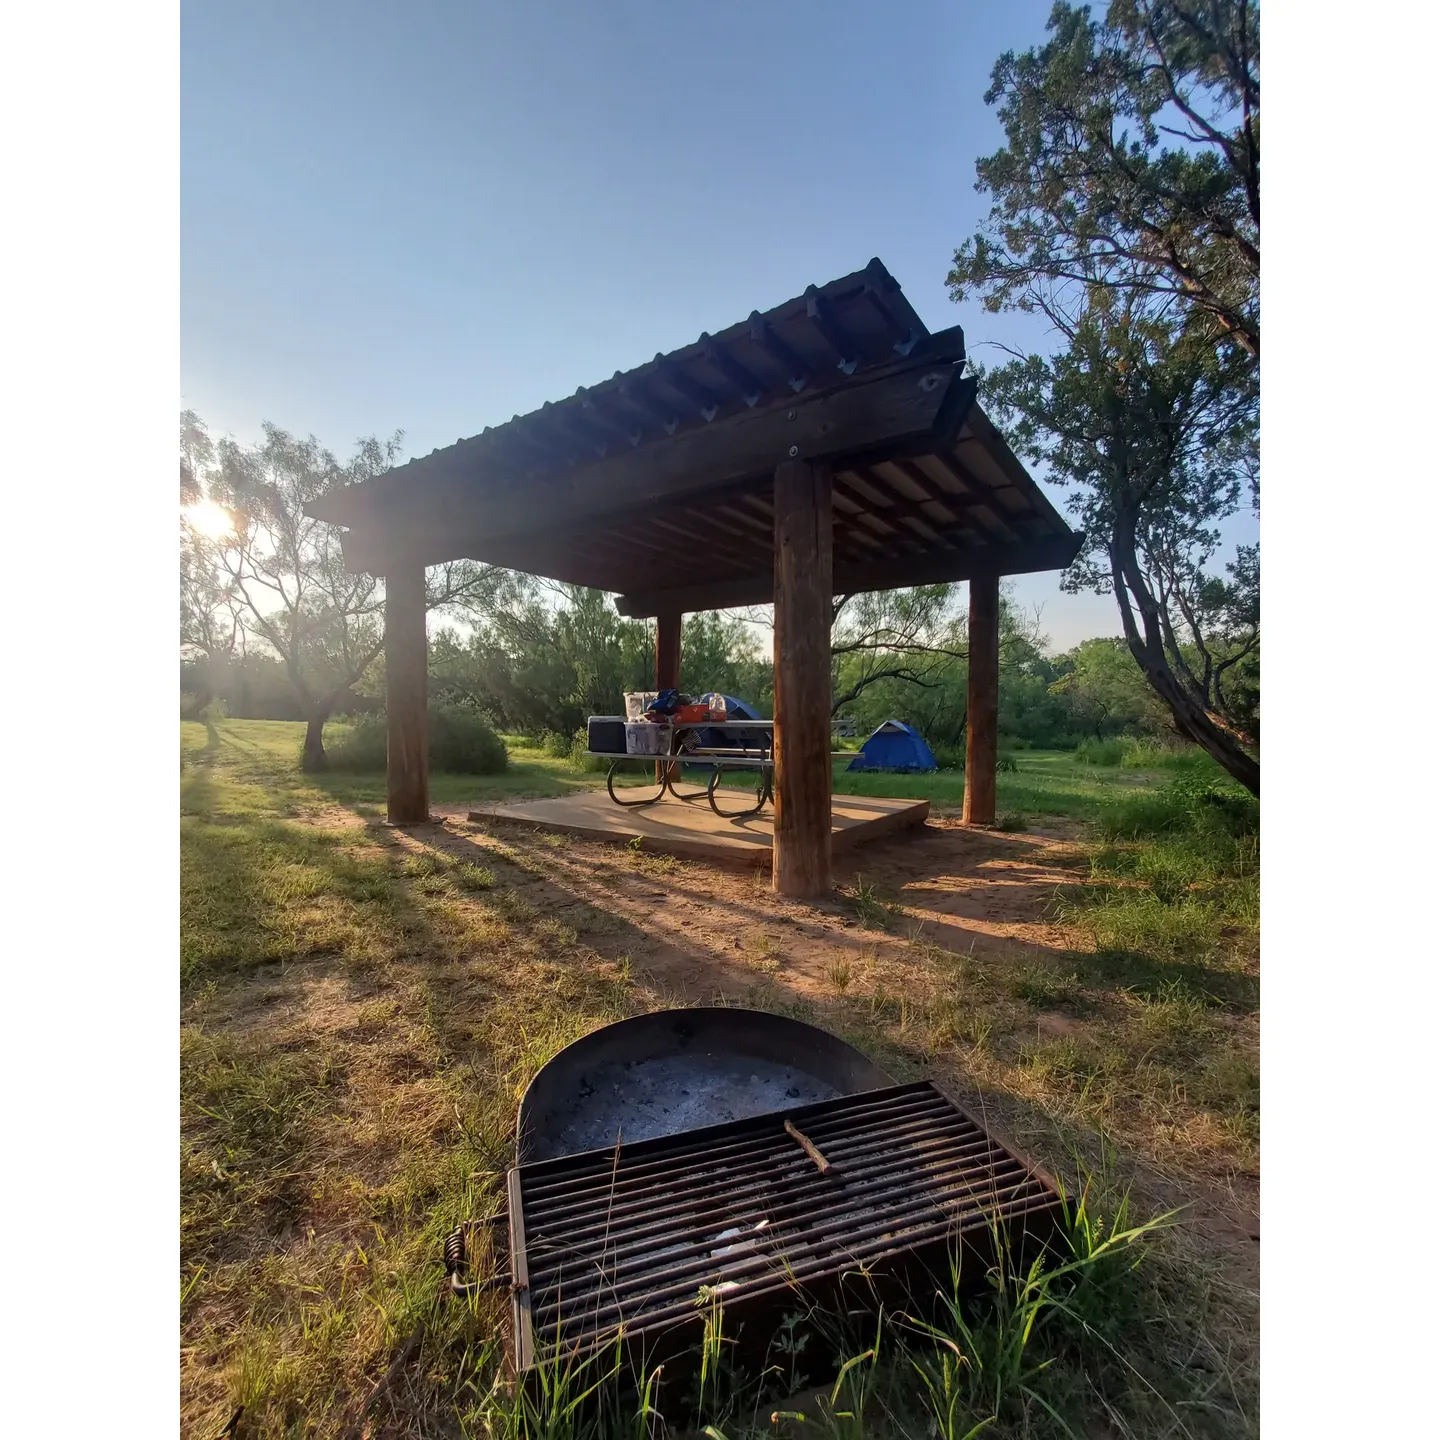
point(208, 519)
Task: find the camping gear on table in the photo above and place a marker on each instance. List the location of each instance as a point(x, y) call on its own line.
point(643, 737)
point(665, 704)
point(895, 746)
point(730, 708)
point(605, 734)
point(636, 702)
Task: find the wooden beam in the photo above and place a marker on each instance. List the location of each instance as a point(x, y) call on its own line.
point(1053, 552)
point(921, 403)
point(668, 626)
point(982, 704)
point(407, 758)
point(803, 529)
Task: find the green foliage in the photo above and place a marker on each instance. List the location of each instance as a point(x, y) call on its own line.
point(580, 757)
point(1100, 752)
point(1103, 692)
point(1179, 880)
point(721, 653)
point(462, 742)
point(1189, 805)
point(536, 666)
point(1089, 185)
point(1147, 754)
point(555, 745)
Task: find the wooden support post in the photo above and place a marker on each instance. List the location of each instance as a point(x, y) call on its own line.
point(668, 624)
point(982, 701)
point(407, 758)
point(803, 544)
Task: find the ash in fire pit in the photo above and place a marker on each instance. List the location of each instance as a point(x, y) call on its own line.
point(642, 1100)
point(676, 1070)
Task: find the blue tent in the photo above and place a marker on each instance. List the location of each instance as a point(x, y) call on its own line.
point(894, 746)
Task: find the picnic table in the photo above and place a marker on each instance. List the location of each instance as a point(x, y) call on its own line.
point(681, 747)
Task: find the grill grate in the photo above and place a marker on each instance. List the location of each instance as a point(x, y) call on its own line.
point(629, 1237)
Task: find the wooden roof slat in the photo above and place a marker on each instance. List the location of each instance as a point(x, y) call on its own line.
point(749, 387)
point(843, 346)
point(702, 400)
point(880, 287)
point(602, 414)
point(798, 374)
point(637, 394)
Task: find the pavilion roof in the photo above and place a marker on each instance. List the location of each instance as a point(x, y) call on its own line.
point(655, 483)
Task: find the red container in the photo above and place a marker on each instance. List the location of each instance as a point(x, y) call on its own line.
point(692, 714)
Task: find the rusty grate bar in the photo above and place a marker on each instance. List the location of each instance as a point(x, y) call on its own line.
point(627, 1239)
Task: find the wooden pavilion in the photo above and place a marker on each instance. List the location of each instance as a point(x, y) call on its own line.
point(829, 446)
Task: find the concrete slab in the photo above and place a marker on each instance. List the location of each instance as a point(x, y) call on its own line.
point(691, 830)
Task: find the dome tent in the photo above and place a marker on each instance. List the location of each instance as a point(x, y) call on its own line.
point(894, 746)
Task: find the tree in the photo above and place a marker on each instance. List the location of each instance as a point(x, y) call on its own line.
point(1158, 436)
point(907, 635)
point(719, 652)
point(1104, 691)
point(283, 575)
point(1127, 212)
point(210, 630)
point(543, 655)
point(925, 681)
point(1091, 187)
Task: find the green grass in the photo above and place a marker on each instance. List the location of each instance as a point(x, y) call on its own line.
point(1045, 784)
point(361, 1010)
point(264, 752)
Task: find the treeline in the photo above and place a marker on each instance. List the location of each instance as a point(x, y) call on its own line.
point(542, 665)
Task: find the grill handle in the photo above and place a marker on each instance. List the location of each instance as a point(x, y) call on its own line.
point(457, 1259)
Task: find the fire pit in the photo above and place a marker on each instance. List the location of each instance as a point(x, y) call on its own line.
point(824, 1183)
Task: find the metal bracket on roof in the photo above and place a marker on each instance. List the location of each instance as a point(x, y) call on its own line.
point(601, 415)
point(643, 400)
point(749, 387)
point(761, 332)
point(879, 285)
point(682, 383)
point(823, 318)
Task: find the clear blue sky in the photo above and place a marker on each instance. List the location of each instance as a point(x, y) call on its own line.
point(433, 217)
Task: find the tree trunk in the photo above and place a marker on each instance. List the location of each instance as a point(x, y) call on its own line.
point(1191, 719)
point(198, 701)
point(312, 757)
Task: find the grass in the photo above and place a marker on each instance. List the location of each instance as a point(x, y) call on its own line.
point(361, 1010)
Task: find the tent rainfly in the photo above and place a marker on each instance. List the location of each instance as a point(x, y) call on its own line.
point(828, 446)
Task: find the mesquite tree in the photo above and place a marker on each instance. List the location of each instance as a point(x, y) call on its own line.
point(1127, 211)
point(283, 575)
